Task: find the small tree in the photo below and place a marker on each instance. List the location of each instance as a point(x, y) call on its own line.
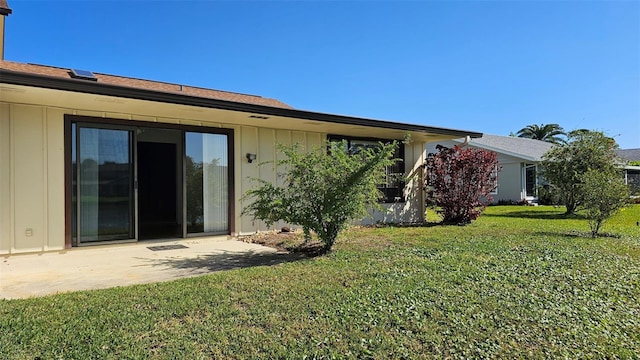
point(459, 181)
point(564, 165)
point(602, 195)
point(325, 189)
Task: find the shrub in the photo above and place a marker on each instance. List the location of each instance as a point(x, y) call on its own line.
point(564, 165)
point(602, 195)
point(548, 195)
point(325, 189)
point(459, 181)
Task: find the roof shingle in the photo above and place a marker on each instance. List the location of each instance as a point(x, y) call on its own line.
point(529, 149)
point(146, 84)
point(629, 154)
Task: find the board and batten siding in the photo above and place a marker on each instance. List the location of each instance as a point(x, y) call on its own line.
point(412, 210)
point(32, 189)
point(262, 142)
point(31, 178)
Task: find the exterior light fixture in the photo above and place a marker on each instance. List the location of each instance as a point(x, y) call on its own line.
point(251, 157)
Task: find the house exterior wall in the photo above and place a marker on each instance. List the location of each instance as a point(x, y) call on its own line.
point(412, 210)
point(32, 166)
point(510, 182)
point(31, 179)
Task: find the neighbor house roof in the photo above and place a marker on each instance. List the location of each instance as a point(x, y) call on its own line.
point(528, 149)
point(629, 154)
point(60, 79)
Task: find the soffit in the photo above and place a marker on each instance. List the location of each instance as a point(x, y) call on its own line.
point(166, 112)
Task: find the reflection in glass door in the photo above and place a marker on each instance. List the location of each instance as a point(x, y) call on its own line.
point(102, 168)
point(206, 177)
point(131, 183)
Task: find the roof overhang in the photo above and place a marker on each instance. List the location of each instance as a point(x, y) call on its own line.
point(424, 133)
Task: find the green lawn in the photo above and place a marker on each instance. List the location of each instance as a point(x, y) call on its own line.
point(521, 282)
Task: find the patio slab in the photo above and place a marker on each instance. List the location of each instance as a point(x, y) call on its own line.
point(99, 267)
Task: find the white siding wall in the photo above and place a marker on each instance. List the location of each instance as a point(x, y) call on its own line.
point(412, 210)
point(32, 204)
point(261, 141)
point(6, 229)
point(31, 179)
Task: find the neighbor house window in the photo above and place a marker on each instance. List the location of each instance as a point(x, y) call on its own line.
point(494, 180)
point(393, 188)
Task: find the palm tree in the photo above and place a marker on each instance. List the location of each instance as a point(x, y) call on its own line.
point(551, 133)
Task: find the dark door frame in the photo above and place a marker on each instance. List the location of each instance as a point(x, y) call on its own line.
point(69, 119)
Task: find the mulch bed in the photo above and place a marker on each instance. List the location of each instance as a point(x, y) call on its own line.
point(289, 241)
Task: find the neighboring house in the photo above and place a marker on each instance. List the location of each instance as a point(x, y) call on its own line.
point(89, 158)
point(629, 154)
point(631, 172)
point(519, 159)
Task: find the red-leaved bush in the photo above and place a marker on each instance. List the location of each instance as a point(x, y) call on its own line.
point(459, 181)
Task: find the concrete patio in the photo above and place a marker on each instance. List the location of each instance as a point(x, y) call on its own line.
point(99, 267)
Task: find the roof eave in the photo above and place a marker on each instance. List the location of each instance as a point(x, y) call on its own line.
point(91, 87)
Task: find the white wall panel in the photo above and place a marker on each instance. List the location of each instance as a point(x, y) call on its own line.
point(29, 186)
point(55, 212)
point(5, 180)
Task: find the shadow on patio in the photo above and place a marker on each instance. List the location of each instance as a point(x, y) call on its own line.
point(225, 260)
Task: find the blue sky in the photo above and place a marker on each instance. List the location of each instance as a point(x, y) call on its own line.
point(492, 67)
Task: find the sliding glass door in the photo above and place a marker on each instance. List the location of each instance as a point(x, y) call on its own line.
point(130, 182)
point(103, 184)
point(207, 188)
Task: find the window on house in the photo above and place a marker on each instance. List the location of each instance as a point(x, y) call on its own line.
point(393, 188)
point(494, 180)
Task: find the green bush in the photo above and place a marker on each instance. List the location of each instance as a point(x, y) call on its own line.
point(602, 195)
point(324, 190)
point(564, 165)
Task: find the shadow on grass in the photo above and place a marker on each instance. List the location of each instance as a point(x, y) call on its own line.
point(425, 224)
point(529, 214)
point(227, 260)
point(578, 234)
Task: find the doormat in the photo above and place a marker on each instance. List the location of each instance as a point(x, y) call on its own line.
point(166, 247)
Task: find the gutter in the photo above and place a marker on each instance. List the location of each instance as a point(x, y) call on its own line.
point(91, 87)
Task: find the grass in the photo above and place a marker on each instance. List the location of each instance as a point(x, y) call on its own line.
point(521, 282)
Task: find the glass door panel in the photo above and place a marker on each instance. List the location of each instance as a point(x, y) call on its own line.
point(206, 177)
point(530, 180)
point(104, 184)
